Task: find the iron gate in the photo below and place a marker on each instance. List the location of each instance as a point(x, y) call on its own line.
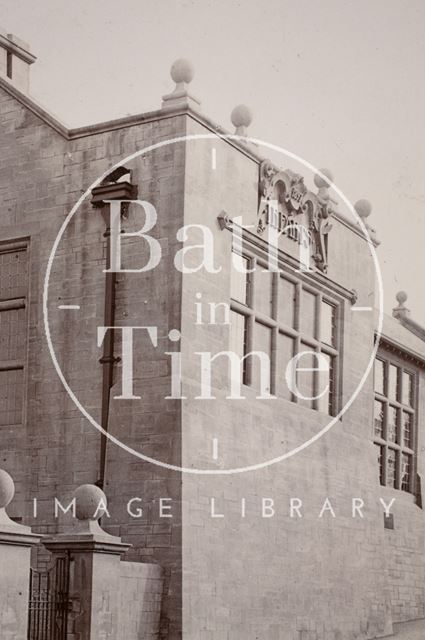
point(48, 605)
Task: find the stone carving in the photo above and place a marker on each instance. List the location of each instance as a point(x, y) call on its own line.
point(296, 212)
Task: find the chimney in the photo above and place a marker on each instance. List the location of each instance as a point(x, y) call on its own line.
point(15, 60)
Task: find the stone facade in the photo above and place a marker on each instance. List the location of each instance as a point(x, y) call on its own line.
point(54, 449)
point(234, 576)
point(405, 543)
point(313, 579)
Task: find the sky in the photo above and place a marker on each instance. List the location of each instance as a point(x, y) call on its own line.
point(340, 83)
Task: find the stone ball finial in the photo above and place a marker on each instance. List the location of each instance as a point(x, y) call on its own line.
point(241, 116)
point(182, 71)
point(320, 182)
point(88, 497)
point(7, 489)
point(401, 297)
point(363, 208)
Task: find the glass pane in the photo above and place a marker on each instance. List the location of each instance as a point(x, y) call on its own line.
point(307, 319)
point(407, 429)
point(406, 471)
point(238, 280)
point(380, 452)
point(379, 419)
point(325, 383)
point(393, 390)
point(305, 376)
point(11, 396)
point(13, 274)
point(285, 352)
point(380, 377)
point(261, 367)
point(263, 291)
point(407, 389)
point(327, 323)
point(238, 338)
point(392, 424)
point(286, 304)
point(13, 332)
point(391, 468)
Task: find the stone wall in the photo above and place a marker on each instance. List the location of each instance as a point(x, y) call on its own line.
point(140, 594)
point(14, 591)
point(282, 578)
point(55, 449)
point(250, 577)
point(405, 544)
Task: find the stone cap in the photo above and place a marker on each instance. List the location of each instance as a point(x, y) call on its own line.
point(87, 535)
point(181, 73)
point(241, 118)
point(86, 544)
point(11, 532)
point(402, 314)
point(363, 208)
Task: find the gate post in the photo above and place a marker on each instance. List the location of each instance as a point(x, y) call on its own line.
point(94, 569)
point(15, 551)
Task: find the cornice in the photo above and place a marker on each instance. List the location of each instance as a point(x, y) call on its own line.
point(401, 350)
point(261, 247)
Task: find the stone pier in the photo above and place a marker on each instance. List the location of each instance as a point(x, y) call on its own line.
point(15, 551)
point(108, 599)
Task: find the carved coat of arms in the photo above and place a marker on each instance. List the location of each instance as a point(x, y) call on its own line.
point(301, 215)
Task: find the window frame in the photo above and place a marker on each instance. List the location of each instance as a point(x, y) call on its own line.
point(273, 322)
point(20, 300)
point(398, 446)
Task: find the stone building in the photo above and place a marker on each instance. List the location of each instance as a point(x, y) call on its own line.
point(252, 546)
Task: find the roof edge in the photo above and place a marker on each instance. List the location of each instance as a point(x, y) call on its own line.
point(399, 348)
point(402, 314)
point(127, 121)
point(33, 106)
point(413, 326)
point(150, 116)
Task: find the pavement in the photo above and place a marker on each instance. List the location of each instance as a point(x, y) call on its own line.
point(410, 631)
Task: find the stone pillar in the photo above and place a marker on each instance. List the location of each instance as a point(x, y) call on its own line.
point(15, 551)
point(94, 569)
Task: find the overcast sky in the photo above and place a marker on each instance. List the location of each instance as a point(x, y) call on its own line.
point(338, 82)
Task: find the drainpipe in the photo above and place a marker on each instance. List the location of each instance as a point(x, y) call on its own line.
point(109, 189)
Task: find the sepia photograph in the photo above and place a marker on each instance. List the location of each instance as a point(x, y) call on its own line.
point(212, 320)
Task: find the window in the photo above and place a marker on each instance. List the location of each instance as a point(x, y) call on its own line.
point(13, 331)
point(278, 314)
point(394, 420)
